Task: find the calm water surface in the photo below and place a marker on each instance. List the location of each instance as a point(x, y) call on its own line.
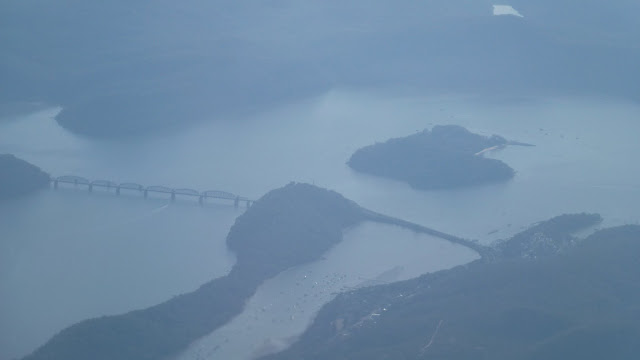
point(93, 255)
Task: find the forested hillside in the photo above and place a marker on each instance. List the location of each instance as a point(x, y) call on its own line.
point(120, 68)
point(578, 305)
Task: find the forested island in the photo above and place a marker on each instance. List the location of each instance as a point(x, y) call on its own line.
point(580, 303)
point(18, 177)
point(448, 156)
point(289, 226)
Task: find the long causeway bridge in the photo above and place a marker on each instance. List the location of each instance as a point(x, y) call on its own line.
point(173, 193)
point(487, 253)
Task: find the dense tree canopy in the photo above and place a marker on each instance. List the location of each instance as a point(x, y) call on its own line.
point(444, 157)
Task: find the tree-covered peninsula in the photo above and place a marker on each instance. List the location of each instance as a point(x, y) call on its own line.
point(18, 177)
point(286, 227)
point(446, 157)
point(580, 303)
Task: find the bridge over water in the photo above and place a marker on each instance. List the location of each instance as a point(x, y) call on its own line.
point(487, 253)
point(173, 193)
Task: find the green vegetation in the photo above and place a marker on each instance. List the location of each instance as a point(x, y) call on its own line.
point(286, 227)
point(18, 177)
point(441, 158)
point(549, 237)
point(581, 304)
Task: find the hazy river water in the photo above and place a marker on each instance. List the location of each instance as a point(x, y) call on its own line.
point(66, 256)
point(370, 254)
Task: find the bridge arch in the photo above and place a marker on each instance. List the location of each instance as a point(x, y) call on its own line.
point(70, 179)
point(102, 183)
point(159, 189)
point(217, 194)
point(131, 186)
point(105, 183)
point(189, 192)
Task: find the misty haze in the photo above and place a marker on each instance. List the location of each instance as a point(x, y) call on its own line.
point(313, 179)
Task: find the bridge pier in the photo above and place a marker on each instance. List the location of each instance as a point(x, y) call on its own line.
point(249, 204)
point(201, 200)
point(55, 184)
point(118, 190)
point(173, 196)
point(90, 188)
point(236, 202)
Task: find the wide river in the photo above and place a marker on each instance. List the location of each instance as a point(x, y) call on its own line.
point(67, 256)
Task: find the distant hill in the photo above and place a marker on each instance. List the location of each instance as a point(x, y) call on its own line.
point(445, 157)
point(582, 304)
point(120, 68)
point(18, 177)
